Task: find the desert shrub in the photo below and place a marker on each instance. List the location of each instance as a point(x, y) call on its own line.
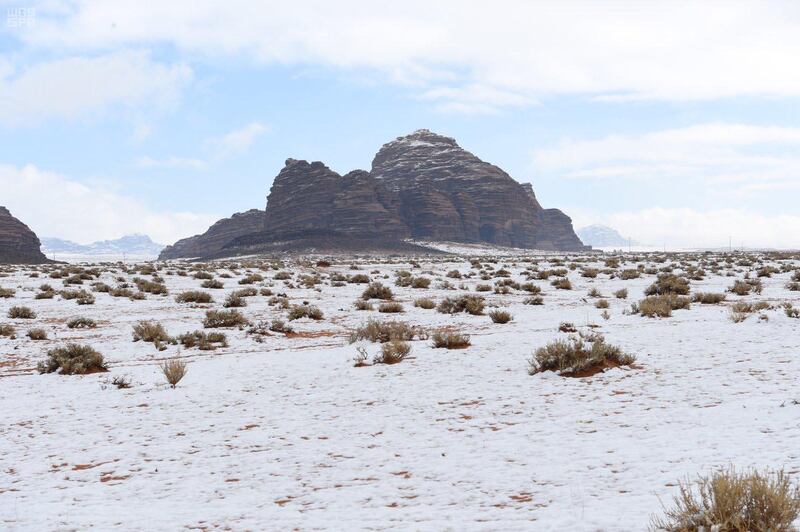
point(224, 318)
point(500, 316)
point(450, 340)
point(45, 294)
point(668, 283)
point(202, 340)
point(790, 311)
point(358, 278)
point(425, 303)
point(483, 288)
point(73, 359)
point(251, 278)
point(742, 288)
point(212, 284)
point(361, 304)
point(390, 307)
point(622, 293)
point(454, 274)
point(37, 334)
point(81, 322)
point(203, 276)
point(567, 327)
point(194, 296)
point(392, 352)
point(246, 292)
point(562, 283)
point(21, 313)
point(150, 287)
point(733, 501)
point(174, 370)
point(574, 358)
point(594, 292)
point(385, 331)
point(471, 304)
point(7, 293)
point(377, 290)
point(234, 301)
point(601, 303)
point(152, 332)
point(101, 288)
point(121, 382)
point(708, 298)
point(420, 282)
point(304, 311)
point(282, 276)
point(531, 288)
point(590, 273)
point(535, 300)
point(279, 326)
point(7, 330)
point(663, 305)
point(629, 274)
point(794, 286)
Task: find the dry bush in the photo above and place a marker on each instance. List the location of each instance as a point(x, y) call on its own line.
point(450, 340)
point(790, 311)
point(81, 322)
point(37, 334)
point(234, 301)
point(7, 330)
point(21, 313)
point(152, 332)
point(212, 284)
point(594, 292)
point(627, 275)
point(567, 327)
point(73, 359)
point(392, 352)
point(224, 318)
point(251, 278)
point(733, 501)
point(358, 278)
point(454, 274)
point(377, 290)
point(390, 308)
point(425, 303)
point(500, 316)
point(385, 331)
point(202, 340)
point(361, 304)
point(194, 296)
point(420, 282)
point(532, 289)
point(535, 300)
point(471, 304)
point(668, 283)
point(590, 273)
point(574, 358)
point(483, 288)
point(622, 293)
point(304, 311)
point(793, 286)
point(602, 303)
point(151, 287)
point(562, 283)
point(7, 293)
point(279, 326)
point(174, 370)
point(662, 306)
point(708, 298)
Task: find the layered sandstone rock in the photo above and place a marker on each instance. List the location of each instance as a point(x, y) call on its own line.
point(422, 186)
point(18, 244)
point(217, 236)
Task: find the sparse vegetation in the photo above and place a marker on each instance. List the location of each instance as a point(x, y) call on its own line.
point(500, 316)
point(73, 359)
point(392, 352)
point(471, 304)
point(21, 313)
point(194, 296)
point(574, 358)
point(173, 370)
point(224, 318)
point(450, 340)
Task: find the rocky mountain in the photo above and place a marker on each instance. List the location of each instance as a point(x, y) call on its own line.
point(218, 235)
point(18, 244)
point(134, 245)
point(421, 186)
point(603, 236)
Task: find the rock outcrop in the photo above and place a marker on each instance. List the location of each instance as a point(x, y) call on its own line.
point(218, 235)
point(422, 186)
point(18, 244)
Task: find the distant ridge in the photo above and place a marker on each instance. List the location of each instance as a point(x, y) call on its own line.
point(602, 236)
point(139, 245)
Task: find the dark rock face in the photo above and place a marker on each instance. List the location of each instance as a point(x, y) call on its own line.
point(217, 236)
point(422, 186)
point(18, 244)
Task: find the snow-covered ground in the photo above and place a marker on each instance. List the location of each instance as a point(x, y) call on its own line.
point(288, 434)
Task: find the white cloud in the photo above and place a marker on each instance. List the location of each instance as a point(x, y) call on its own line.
point(627, 50)
point(689, 228)
point(179, 163)
point(237, 141)
point(53, 205)
point(745, 158)
point(79, 86)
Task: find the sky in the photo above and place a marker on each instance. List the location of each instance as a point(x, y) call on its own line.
point(676, 123)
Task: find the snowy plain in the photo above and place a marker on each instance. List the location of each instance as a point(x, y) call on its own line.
point(288, 434)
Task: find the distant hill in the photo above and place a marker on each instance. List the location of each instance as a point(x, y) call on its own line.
point(603, 236)
point(140, 245)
